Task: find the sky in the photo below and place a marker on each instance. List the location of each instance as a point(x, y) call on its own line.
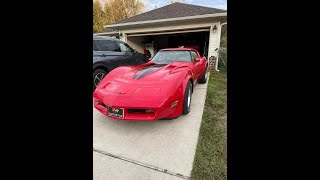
point(220, 4)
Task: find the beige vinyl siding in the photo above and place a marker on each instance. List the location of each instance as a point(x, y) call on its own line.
point(214, 41)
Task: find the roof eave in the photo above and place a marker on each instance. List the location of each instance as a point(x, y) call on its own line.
point(167, 20)
point(107, 33)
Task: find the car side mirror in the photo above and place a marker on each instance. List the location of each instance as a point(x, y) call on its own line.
point(198, 59)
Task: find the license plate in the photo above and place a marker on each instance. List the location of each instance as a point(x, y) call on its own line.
point(115, 112)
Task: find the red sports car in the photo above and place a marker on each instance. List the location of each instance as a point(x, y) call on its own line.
point(159, 89)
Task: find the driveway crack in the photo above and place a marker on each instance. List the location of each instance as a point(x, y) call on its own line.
point(142, 164)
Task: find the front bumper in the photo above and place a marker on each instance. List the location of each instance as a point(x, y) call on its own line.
point(161, 111)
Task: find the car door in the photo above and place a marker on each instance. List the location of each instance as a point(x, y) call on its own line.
point(131, 57)
point(108, 52)
point(94, 55)
point(197, 65)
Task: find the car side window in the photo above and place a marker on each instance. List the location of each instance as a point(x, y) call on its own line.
point(124, 47)
point(94, 46)
point(105, 45)
point(194, 56)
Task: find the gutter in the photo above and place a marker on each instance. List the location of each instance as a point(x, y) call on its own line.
point(219, 46)
point(167, 20)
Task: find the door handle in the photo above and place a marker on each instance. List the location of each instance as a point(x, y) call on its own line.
point(103, 55)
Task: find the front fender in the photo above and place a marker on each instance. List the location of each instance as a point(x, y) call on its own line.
point(186, 76)
point(114, 73)
point(189, 76)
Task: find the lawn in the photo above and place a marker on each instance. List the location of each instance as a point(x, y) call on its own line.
point(211, 155)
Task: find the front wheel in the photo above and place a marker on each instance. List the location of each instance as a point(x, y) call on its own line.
point(187, 99)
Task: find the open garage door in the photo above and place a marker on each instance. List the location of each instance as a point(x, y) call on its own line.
point(154, 41)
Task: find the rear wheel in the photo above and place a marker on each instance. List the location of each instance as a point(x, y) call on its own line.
point(98, 75)
point(187, 99)
point(204, 77)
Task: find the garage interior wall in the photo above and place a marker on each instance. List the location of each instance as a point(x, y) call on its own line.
point(136, 43)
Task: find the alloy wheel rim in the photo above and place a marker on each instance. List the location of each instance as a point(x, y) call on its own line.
point(189, 97)
point(206, 75)
point(98, 78)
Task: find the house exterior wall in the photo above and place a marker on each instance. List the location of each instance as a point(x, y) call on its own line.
point(166, 27)
point(214, 40)
point(214, 43)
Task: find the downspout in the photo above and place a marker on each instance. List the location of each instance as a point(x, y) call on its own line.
point(217, 60)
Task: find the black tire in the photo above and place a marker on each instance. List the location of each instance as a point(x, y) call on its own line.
point(204, 77)
point(187, 93)
point(98, 75)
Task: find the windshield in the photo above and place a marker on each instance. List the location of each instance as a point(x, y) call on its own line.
point(167, 57)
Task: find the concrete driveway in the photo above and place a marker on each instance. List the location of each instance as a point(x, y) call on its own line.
point(139, 150)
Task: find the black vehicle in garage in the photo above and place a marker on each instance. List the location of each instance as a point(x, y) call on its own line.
point(109, 53)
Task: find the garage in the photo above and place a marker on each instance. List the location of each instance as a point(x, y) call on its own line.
point(197, 39)
point(173, 26)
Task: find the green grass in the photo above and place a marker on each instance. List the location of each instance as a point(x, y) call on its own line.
point(211, 155)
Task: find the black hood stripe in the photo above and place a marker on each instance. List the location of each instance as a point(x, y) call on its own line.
point(148, 70)
point(140, 70)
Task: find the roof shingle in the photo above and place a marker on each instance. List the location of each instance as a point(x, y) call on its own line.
point(172, 11)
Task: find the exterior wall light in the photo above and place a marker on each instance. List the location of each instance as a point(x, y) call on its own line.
point(214, 28)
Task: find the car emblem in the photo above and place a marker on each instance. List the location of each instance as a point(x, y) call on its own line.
point(119, 92)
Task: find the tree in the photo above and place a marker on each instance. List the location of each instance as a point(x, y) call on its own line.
point(223, 49)
point(98, 16)
point(116, 10)
point(223, 41)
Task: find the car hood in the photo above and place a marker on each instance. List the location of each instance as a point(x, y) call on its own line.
point(155, 72)
point(145, 81)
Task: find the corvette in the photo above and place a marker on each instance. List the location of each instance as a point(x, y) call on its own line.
point(159, 89)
